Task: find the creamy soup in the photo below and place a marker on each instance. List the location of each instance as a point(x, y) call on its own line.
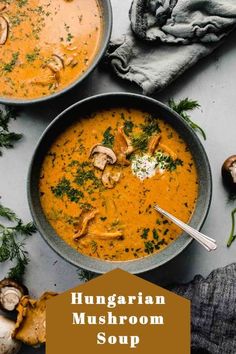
point(45, 45)
point(102, 177)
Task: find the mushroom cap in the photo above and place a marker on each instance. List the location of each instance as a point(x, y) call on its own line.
point(101, 149)
point(10, 294)
point(229, 172)
point(8, 345)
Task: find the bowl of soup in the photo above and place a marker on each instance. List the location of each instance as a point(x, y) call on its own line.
point(49, 46)
point(98, 171)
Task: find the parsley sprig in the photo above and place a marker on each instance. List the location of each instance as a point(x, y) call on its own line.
point(7, 138)
point(86, 275)
point(184, 106)
point(12, 246)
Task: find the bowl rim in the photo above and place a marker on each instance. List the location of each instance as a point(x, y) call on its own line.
point(101, 51)
point(90, 262)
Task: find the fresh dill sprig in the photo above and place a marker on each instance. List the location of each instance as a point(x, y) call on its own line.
point(184, 106)
point(232, 236)
point(7, 138)
point(12, 246)
point(86, 275)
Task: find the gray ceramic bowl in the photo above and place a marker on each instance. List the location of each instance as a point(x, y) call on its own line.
point(107, 28)
point(71, 115)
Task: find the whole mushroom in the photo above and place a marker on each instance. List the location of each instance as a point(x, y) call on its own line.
point(229, 172)
point(8, 345)
point(11, 293)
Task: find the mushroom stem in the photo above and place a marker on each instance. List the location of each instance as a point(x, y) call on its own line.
point(7, 344)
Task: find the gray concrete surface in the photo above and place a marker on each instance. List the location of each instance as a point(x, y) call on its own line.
point(213, 83)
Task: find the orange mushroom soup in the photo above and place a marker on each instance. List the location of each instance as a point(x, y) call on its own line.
point(46, 45)
point(102, 177)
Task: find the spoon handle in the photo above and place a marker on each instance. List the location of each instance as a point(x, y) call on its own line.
point(205, 241)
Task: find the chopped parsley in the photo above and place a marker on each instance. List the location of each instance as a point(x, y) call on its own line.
point(149, 247)
point(108, 138)
point(166, 162)
point(8, 67)
point(128, 127)
point(151, 126)
point(140, 142)
point(145, 233)
point(83, 175)
point(63, 188)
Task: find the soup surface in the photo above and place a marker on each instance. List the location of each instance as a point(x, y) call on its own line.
point(102, 177)
point(45, 45)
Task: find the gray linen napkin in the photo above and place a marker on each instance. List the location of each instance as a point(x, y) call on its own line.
point(213, 310)
point(168, 37)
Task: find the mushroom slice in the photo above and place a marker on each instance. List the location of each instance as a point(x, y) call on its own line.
point(110, 179)
point(8, 345)
point(4, 29)
point(154, 143)
point(122, 147)
point(56, 63)
point(102, 155)
point(10, 294)
point(84, 224)
point(103, 235)
point(47, 78)
point(31, 320)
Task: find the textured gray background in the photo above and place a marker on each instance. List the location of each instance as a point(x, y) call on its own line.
point(212, 82)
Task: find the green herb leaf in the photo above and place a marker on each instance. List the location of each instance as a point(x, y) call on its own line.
point(8, 67)
point(12, 247)
point(7, 213)
point(86, 275)
point(108, 138)
point(184, 106)
point(64, 188)
point(7, 139)
point(128, 127)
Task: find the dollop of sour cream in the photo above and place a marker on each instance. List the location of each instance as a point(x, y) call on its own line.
point(144, 166)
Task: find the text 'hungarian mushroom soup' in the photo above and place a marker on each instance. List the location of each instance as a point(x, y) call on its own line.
point(46, 45)
point(102, 177)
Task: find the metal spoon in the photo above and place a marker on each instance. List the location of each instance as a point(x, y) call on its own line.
point(208, 243)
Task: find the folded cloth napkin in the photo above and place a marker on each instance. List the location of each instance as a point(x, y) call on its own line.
point(213, 310)
point(168, 37)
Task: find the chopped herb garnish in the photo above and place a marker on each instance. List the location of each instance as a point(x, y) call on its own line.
point(145, 233)
point(166, 162)
point(155, 234)
point(149, 247)
point(64, 188)
point(108, 138)
point(140, 142)
point(83, 175)
point(128, 127)
point(8, 67)
point(31, 57)
point(151, 126)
